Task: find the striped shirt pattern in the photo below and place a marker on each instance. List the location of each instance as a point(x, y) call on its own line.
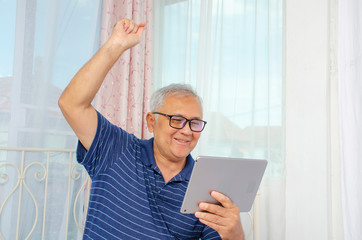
point(129, 198)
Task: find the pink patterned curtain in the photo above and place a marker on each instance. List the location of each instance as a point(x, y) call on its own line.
point(124, 96)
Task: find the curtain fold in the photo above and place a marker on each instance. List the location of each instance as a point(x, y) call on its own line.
point(124, 95)
point(350, 107)
point(335, 217)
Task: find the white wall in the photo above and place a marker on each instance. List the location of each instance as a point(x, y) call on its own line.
point(306, 99)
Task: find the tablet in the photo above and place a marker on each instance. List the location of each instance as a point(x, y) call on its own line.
point(237, 178)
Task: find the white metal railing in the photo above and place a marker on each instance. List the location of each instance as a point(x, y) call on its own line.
point(20, 169)
point(72, 206)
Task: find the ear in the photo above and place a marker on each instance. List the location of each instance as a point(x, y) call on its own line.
point(150, 119)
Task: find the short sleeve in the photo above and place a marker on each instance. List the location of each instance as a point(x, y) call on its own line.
point(108, 144)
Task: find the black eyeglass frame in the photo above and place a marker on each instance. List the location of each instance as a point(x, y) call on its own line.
point(187, 121)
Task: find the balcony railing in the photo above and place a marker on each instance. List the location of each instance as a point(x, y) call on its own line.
point(32, 192)
point(44, 195)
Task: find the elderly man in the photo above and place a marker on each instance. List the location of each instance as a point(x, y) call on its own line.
point(138, 185)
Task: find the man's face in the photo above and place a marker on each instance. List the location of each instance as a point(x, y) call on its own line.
point(170, 143)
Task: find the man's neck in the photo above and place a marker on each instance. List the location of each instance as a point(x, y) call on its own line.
point(168, 168)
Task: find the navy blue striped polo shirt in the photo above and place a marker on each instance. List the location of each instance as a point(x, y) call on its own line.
point(129, 198)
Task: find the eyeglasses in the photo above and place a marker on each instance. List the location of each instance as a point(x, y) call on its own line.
point(179, 122)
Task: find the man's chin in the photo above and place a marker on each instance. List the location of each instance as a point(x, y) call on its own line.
point(182, 154)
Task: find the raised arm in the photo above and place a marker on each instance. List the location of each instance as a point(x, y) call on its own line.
point(75, 101)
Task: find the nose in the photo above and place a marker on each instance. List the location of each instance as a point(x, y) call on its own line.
point(186, 129)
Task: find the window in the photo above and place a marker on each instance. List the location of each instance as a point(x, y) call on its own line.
point(43, 45)
point(231, 52)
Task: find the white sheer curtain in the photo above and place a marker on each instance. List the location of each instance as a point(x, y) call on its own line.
point(42, 45)
point(350, 107)
point(231, 52)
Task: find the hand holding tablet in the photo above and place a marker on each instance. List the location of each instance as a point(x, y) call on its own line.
point(237, 178)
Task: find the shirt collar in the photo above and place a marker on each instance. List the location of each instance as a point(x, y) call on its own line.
point(148, 158)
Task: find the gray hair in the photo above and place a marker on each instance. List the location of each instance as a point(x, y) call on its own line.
point(158, 97)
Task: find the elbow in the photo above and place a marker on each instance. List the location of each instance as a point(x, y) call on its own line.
point(64, 103)
point(66, 107)
point(61, 102)
point(69, 104)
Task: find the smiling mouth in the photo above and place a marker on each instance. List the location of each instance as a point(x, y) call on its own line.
point(182, 141)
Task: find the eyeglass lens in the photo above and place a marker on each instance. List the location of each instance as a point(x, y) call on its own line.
point(179, 122)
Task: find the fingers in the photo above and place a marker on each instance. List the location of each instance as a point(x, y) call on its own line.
point(210, 218)
point(126, 34)
point(224, 218)
point(130, 26)
point(211, 224)
point(224, 200)
point(141, 27)
point(212, 208)
point(225, 221)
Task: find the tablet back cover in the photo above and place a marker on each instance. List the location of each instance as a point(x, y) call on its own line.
point(237, 178)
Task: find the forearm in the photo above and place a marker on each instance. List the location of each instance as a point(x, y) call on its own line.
point(75, 102)
point(82, 89)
